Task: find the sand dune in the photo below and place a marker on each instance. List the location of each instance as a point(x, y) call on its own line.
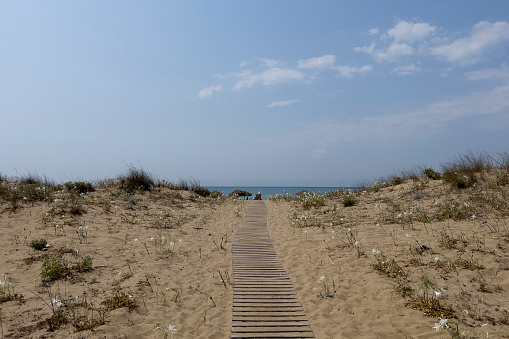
point(164, 257)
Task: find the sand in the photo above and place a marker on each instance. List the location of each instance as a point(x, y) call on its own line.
point(169, 253)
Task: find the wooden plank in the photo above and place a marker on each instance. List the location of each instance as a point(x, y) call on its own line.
point(265, 304)
point(271, 323)
point(273, 335)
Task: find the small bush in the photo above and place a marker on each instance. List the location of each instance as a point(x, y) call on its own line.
point(53, 268)
point(459, 179)
point(431, 174)
point(79, 187)
point(121, 299)
point(35, 179)
point(502, 178)
point(396, 181)
point(461, 171)
point(349, 200)
point(314, 200)
point(137, 178)
point(38, 244)
point(201, 191)
point(85, 264)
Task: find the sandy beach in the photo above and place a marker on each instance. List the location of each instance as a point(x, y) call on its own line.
point(158, 264)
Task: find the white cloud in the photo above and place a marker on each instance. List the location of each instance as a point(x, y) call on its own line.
point(264, 61)
point(406, 69)
point(325, 61)
point(269, 62)
point(373, 31)
point(350, 71)
point(402, 35)
point(410, 31)
point(501, 73)
point(393, 53)
point(484, 38)
point(282, 103)
point(270, 76)
point(207, 92)
point(366, 49)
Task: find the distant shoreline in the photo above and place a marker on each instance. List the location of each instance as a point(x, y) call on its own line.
point(271, 190)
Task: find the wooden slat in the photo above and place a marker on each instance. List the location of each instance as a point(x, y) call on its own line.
point(265, 304)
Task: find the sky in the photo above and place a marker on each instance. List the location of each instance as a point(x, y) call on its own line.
point(274, 93)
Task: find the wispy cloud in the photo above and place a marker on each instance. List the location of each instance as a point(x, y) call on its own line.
point(392, 53)
point(484, 38)
point(406, 69)
point(418, 39)
point(270, 76)
point(373, 31)
point(404, 126)
point(350, 71)
point(322, 62)
point(501, 73)
point(208, 91)
point(282, 103)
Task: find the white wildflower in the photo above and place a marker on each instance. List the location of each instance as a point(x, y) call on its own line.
point(439, 294)
point(322, 278)
point(56, 302)
point(437, 259)
point(171, 328)
point(135, 239)
point(441, 324)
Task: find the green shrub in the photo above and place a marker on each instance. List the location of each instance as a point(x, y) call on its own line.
point(53, 268)
point(85, 264)
point(38, 244)
point(309, 200)
point(430, 173)
point(201, 191)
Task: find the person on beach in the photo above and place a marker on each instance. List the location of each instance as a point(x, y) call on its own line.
point(258, 196)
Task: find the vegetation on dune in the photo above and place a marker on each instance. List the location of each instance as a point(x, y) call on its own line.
point(434, 263)
point(441, 225)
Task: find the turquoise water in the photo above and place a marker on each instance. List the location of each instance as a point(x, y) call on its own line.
point(267, 191)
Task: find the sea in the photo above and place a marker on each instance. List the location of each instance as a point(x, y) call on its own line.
point(268, 191)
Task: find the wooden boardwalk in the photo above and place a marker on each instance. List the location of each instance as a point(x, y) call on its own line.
point(265, 304)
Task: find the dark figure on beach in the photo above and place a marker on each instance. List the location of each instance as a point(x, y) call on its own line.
point(258, 196)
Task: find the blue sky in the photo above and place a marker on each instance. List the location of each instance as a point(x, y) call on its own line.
point(250, 92)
